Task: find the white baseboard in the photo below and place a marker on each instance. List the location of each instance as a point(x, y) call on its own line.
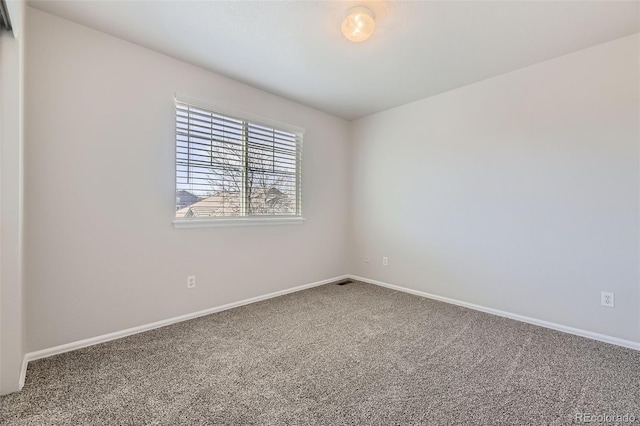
point(554, 326)
point(44, 353)
point(23, 372)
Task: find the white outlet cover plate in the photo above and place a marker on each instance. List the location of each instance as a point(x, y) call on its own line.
point(607, 299)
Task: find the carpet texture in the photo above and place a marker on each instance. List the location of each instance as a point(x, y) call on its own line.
point(355, 354)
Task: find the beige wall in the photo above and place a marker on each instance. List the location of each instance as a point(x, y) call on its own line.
point(518, 193)
point(102, 254)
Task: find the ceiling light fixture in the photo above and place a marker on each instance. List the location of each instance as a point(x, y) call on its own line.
point(359, 24)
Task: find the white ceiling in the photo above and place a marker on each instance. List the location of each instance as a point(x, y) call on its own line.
point(296, 49)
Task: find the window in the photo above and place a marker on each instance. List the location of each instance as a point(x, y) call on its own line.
point(234, 169)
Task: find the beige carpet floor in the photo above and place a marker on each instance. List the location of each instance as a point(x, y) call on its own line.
point(333, 355)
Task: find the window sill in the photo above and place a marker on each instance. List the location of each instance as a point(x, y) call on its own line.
point(239, 221)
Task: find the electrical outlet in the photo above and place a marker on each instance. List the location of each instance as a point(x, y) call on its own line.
point(191, 281)
point(607, 299)
point(366, 259)
point(385, 261)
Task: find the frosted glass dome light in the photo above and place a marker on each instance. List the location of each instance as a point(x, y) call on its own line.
point(359, 24)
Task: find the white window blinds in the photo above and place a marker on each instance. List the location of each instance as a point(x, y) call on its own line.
point(227, 166)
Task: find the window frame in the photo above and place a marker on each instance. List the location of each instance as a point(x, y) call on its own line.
point(253, 220)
